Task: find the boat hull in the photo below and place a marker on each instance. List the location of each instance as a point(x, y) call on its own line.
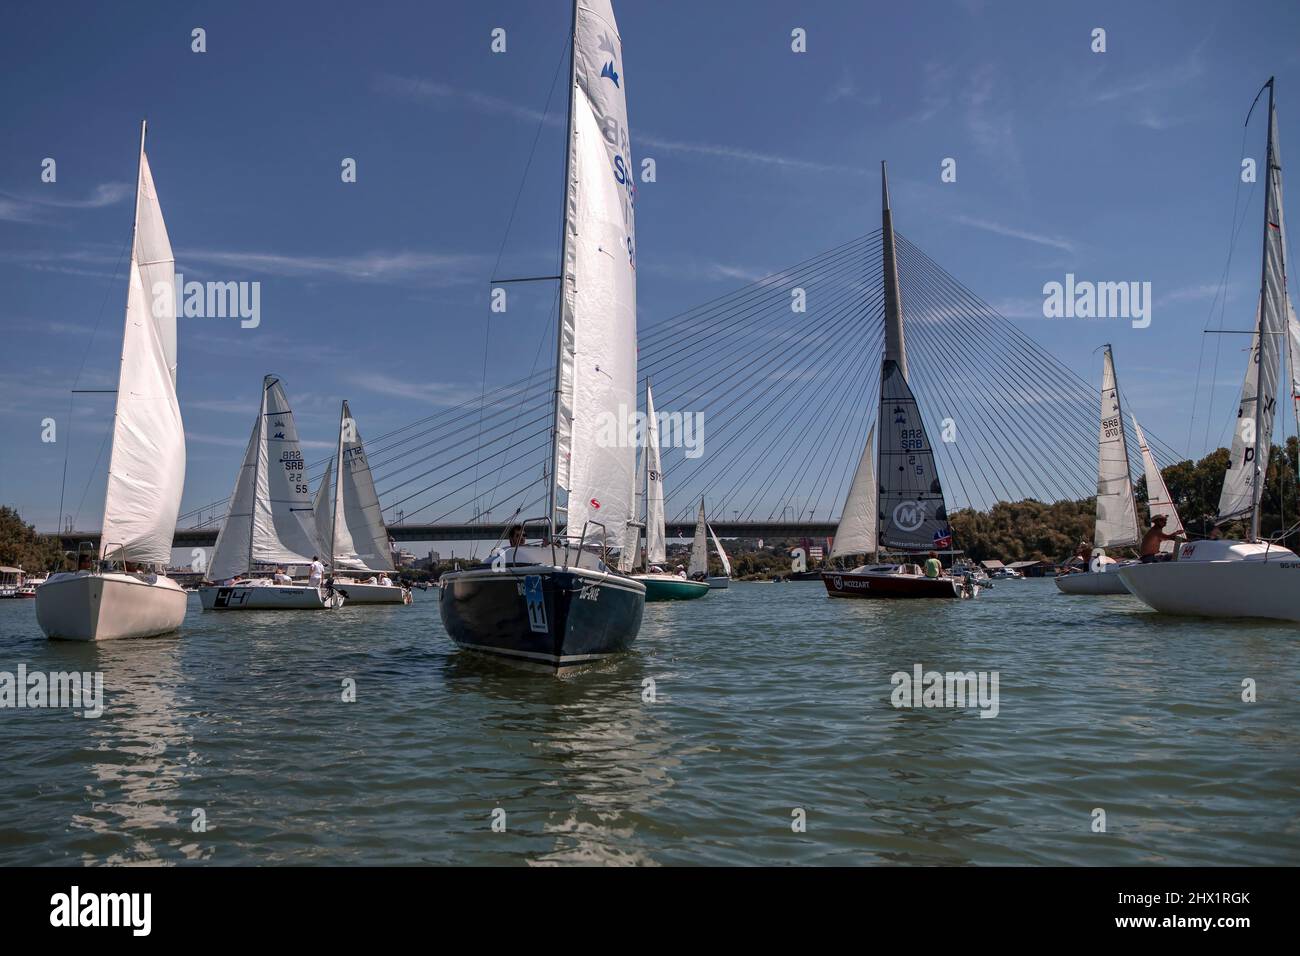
point(719, 583)
point(671, 588)
point(540, 616)
point(1245, 585)
point(267, 597)
point(357, 593)
point(109, 606)
point(847, 584)
point(1092, 582)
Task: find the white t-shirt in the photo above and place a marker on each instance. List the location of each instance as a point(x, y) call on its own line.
point(317, 572)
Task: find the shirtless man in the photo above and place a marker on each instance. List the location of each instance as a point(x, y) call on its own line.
point(1155, 537)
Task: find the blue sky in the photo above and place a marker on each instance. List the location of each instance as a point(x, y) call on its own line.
point(1115, 166)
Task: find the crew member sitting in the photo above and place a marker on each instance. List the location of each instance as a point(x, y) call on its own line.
point(933, 568)
point(280, 577)
point(1155, 537)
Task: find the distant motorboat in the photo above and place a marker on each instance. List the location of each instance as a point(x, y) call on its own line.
point(125, 592)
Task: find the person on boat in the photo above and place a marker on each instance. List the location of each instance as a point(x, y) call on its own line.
point(385, 581)
point(83, 561)
point(317, 572)
point(517, 536)
point(1155, 537)
point(281, 578)
point(933, 569)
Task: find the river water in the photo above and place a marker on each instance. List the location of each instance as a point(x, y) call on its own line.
point(752, 726)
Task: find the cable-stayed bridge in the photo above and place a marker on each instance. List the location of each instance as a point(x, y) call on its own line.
point(783, 399)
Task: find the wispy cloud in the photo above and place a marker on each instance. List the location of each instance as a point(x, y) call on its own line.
point(1055, 242)
point(443, 94)
point(430, 267)
point(432, 393)
point(847, 89)
point(1159, 79)
point(28, 208)
point(991, 122)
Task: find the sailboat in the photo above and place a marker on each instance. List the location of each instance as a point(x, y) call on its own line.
point(904, 512)
point(1117, 524)
point(560, 604)
point(129, 595)
point(1254, 577)
point(660, 584)
point(269, 521)
point(718, 582)
point(350, 524)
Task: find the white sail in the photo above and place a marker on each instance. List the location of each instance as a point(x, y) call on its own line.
point(270, 518)
point(596, 377)
point(360, 536)
point(146, 472)
point(322, 506)
point(1159, 501)
point(630, 551)
point(722, 555)
point(856, 533)
point(1243, 483)
point(153, 254)
point(656, 546)
point(1117, 525)
point(699, 547)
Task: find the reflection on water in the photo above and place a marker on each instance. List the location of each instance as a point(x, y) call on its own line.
point(770, 702)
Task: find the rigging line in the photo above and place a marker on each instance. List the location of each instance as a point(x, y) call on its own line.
point(461, 505)
point(860, 360)
point(822, 346)
point(467, 484)
point(768, 297)
point(838, 447)
point(1034, 356)
point(743, 364)
point(761, 382)
point(99, 317)
point(479, 459)
point(76, 516)
point(935, 299)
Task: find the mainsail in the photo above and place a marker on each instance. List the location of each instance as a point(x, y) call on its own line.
point(913, 516)
point(1117, 525)
point(593, 463)
point(699, 547)
point(1243, 483)
point(656, 550)
point(355, 519)
point(722, 555)
point(1159, 501)
point(270, 518)
point(1293, 359)
point(856, 533)
point(146, 471)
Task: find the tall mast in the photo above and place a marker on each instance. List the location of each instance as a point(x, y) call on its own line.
point(1260, 331)
point(895, 348)
point(551, 491)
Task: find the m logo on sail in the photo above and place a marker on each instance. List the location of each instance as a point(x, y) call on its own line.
point(909, 515)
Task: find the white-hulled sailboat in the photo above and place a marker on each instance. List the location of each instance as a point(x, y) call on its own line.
point(1251, 578)
point(269, 522)
point(905, 512)
point(1117, 524)
point(559, 605)
point(660, 584)
point(129, 594)
point(350, 525)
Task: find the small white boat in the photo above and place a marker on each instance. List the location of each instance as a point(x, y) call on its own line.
point(263, 594)
point(350, 523)
point(1006, 574)
point(269, 521)
point(146, 472)
point(1096, 580)
point(1253, 578)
